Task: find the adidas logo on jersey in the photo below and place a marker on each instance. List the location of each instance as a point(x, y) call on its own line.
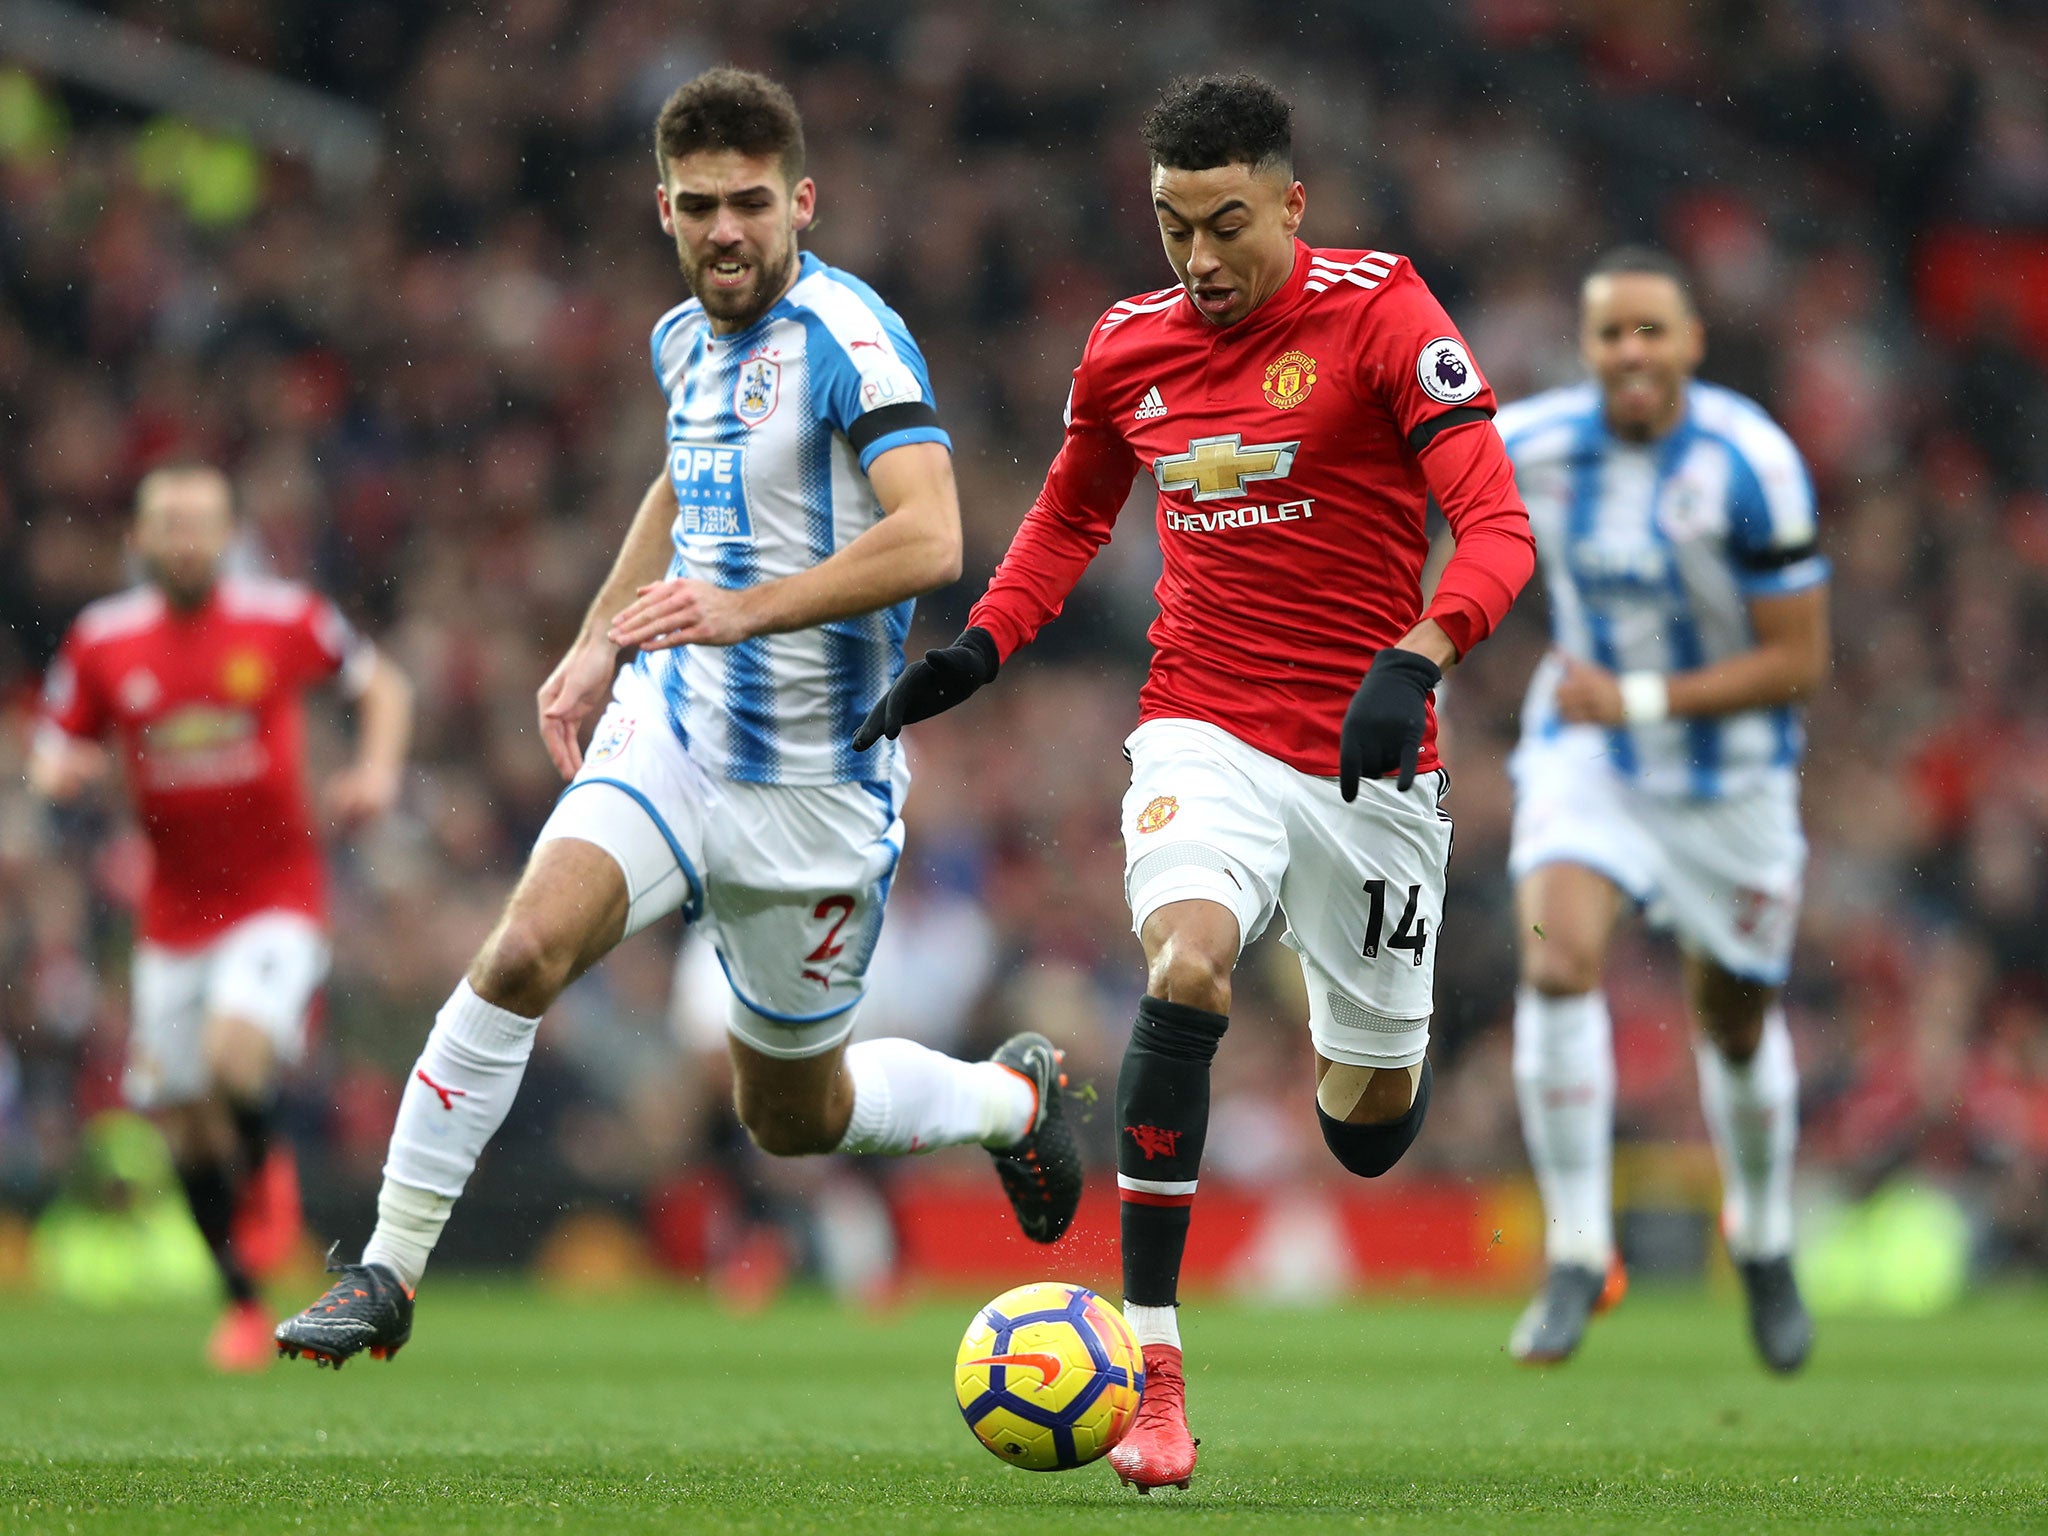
point(1151, 408)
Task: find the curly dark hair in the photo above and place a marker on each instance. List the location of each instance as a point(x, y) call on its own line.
point(1643, 258)
point(728, 108)
point(1203, 121)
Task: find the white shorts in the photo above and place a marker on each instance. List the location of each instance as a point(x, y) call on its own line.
point(264, 971)
point(787, 881)
point(1723, 875)
point(1361, 886)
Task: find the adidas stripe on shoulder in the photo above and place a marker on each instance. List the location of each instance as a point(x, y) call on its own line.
point(122, 613)
point(1367, 271)
point(1143, 304)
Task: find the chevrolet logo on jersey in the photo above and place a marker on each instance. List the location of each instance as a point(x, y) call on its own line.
point(1216, 467)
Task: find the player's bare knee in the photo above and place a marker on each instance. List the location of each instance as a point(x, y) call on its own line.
point(238, 1058)
point(1345, 1098)
point(1736, 1034)
point(791, 1107)
point(1191, 974)
point(1190, 949)
point(522, 968)
point(1729, 1008)
point(782, 1130)
point(1365, 1095)
point(1558, 965)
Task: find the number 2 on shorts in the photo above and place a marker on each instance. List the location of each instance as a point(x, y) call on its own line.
point(829, 947)
point(1410, 933)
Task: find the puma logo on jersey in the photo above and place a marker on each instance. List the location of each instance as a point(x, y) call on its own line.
point(1222, 466)
point(1151, 408)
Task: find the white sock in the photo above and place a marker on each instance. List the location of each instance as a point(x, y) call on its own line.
point(1153, 1325)
point(1564, 1080)
point(455, 1099)
point(907, 1098)
point(1752, 1112)
point(409, 1223)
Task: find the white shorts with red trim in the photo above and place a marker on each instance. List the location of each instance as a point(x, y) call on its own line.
point(1724, 875)
point(1208, 818)
point(787, 881)
point(264, 971)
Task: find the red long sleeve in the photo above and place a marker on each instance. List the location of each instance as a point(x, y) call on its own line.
point(1473, 480)
point(1051, 549)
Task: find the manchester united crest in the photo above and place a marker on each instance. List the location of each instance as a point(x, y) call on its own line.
point(245, 675)
point(1158, 813)
point(1289, 378)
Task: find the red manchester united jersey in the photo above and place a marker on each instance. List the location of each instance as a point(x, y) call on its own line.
point(1294, 453)
point(207, 709)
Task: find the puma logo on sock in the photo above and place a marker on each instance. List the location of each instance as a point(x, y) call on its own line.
point(448, 1095)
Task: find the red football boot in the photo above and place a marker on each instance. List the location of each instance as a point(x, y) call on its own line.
point(1157, 1451)
point(241, 1339)
point(748, 1278)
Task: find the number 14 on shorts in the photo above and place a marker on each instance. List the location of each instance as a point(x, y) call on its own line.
point(1410, 932)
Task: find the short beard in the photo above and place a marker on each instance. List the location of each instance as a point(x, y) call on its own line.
point(758, 301)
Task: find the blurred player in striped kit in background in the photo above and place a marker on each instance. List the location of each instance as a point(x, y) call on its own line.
point(1659, 762)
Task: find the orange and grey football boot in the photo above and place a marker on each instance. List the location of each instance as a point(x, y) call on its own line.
point(1041, 1172)
point(367, 1307)
point(1554, 1323)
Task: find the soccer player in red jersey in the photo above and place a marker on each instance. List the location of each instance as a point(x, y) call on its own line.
point(198, 676)
point(1296, 407)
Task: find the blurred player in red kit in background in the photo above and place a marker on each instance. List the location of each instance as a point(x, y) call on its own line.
point(1296, 408)
point(198, 676)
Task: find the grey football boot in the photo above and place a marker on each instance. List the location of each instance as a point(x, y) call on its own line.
point(1778, 1319)
point(1553, 1324)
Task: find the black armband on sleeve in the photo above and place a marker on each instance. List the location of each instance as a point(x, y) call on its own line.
point(1761, 560)
point(890, 418)
point(1426, 434)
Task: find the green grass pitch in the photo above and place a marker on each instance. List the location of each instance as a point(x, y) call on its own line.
point(514, 1410)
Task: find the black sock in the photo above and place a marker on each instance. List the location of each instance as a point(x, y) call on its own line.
point(211, 1194)
point(1162, 1110)
point(252, 1133)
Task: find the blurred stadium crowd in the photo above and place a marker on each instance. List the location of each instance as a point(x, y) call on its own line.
point(434, 399)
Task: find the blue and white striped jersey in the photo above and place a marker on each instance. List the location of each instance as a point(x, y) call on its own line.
point(1650, 553)
point(770, 434)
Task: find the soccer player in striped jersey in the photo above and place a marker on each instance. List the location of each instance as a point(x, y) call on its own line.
point(1659, 762)
point(766, 583)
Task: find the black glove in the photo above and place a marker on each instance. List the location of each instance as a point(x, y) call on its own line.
point(944, 678)
point(1384, 724)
